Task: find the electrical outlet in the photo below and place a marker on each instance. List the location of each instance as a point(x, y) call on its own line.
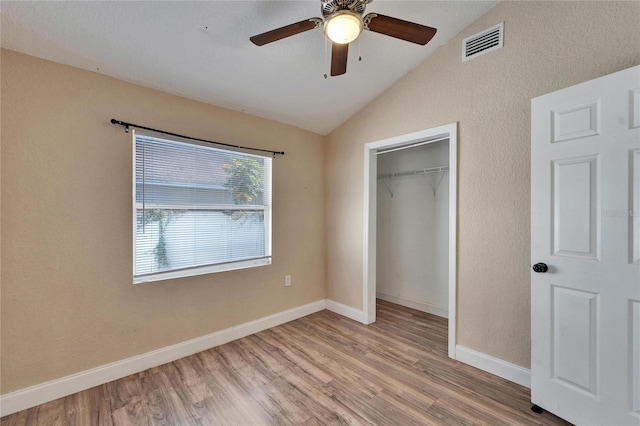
point(287, 280)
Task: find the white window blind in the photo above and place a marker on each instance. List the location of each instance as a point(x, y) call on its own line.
point(198, 209)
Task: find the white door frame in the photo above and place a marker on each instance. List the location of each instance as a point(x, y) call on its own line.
point(370, 206)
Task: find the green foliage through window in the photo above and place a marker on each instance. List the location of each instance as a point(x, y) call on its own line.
point(163, 217)
point(245, 182)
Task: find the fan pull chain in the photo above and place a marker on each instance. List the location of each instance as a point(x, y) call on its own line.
point(325, 56)
point(359, 46)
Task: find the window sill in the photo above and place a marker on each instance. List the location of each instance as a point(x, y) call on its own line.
point(201, 270)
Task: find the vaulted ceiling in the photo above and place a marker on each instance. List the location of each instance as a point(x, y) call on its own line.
point(201, 50)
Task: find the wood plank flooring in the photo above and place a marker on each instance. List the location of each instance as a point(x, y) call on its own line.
point(320, 369)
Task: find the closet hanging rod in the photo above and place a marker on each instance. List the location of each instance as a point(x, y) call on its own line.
point(413, 145)
point(415, 172)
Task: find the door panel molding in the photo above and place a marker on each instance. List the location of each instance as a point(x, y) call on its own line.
point(575, 224)
point(576, 122)
point(634, 108)
point(634, 357)
point(634, 206)
point(575, 354)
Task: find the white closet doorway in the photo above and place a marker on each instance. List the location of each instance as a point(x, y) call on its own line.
point(410, 223)
point(412, 248)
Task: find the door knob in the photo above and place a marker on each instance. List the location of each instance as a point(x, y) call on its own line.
point(540, 268)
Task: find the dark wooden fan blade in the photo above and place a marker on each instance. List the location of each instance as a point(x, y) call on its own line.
point(284, 32)
point(339, 58)
point(404, 30)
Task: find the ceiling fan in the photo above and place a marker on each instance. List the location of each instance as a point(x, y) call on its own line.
point(343, 22)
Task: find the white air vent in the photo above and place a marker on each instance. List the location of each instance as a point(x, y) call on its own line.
point(483, 42)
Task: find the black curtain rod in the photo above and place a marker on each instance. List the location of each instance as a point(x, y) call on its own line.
point(137, 126)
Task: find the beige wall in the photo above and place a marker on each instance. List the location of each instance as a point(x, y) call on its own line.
point(67, 299)
point(68, 303)
point(547, 46)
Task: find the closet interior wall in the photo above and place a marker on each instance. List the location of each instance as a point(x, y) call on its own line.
point(413, 227)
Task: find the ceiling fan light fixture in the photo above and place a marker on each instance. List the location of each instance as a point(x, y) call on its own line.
point(343, 27)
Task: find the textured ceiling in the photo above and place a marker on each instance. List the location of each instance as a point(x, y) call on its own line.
point(201, 50)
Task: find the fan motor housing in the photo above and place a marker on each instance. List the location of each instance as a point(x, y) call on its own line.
point(330, 7)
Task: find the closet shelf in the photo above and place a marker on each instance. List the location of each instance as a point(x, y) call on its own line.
point(433, 170)
point(415, 172)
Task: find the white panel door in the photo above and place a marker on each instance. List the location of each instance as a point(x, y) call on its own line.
point(585, 251)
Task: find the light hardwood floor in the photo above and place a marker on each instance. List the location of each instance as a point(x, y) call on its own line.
point(320, 369)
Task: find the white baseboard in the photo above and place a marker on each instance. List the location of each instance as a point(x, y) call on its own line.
point(419, 305)
point(504, 369)
point(345, 311)
point(54, 389)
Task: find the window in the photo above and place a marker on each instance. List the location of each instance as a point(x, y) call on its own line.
point(198, 209)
